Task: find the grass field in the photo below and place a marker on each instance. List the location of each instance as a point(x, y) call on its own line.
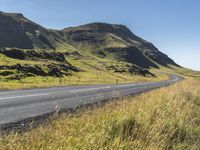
point(92, 74)
point(167, 118)
point(92, 71)
point(85, 78)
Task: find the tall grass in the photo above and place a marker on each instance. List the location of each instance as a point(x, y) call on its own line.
point(167, 118)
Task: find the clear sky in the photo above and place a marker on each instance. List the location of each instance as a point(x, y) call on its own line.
point(172, 25)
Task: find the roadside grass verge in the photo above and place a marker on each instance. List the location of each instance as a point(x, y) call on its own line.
point(82, 78)
point(167, 118)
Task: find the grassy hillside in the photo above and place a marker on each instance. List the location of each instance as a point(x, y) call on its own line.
point(166, 118)
point(39, 68)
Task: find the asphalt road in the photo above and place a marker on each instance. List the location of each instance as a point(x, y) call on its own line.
point(18, 105)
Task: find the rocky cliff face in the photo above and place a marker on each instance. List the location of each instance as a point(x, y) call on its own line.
point(17, 31)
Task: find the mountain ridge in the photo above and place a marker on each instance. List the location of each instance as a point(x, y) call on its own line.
point(116, 42)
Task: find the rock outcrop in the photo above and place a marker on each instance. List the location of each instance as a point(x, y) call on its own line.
point(33, 55)
point(56, 70)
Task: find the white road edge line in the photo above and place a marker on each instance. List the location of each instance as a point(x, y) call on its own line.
point(14, 97)
point(46, 90)
point(45, 94)
point(89, 89)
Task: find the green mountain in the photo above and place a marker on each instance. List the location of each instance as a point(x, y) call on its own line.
point(104, 40)
point(119, 42)
point(33, 50)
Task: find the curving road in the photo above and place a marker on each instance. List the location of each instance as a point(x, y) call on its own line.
point(18, 105)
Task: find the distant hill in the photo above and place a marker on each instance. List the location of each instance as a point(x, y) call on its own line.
point(114, 42)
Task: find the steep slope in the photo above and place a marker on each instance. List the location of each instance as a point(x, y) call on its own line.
point(118, 42)
point(17, 31)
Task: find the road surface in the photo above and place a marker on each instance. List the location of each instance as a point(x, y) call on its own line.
point(19, 105)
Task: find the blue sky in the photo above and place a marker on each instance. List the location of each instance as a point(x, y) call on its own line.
point(172, 25)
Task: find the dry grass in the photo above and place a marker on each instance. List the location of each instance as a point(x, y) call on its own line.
point(82, 78)
point(168, 118)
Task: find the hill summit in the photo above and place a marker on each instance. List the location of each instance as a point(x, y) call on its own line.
point(118, 42)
